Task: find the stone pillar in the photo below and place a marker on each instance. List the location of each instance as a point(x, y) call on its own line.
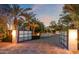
point(14, 36)
point(73, 39)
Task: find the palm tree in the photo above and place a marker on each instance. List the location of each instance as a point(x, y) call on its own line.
point(16, 12)
point(30, 17)
point(36, 26)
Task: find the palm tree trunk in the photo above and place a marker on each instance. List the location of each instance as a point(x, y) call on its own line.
point(15, 23)
point(28, 25)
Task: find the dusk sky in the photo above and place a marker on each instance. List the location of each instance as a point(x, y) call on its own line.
point(46, 12)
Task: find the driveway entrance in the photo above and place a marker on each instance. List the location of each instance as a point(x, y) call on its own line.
point(45, 45)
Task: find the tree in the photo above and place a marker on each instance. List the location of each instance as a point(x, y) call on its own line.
point(52, 26)
point(71, 12)
point(40, 27)
point(62, 25)
point(16, 12)
point(36, 26)
point(66, 21)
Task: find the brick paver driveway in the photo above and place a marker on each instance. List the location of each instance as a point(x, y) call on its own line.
point(46, 45)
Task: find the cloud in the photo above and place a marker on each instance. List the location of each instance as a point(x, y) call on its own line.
point(41, 13)
point(46, 20)
point(47, 12)
point(37, 7)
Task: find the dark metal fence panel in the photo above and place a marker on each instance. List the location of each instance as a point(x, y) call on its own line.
point(64, 39)
point(24, 35)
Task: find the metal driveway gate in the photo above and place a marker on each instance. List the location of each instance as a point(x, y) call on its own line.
point(24, 35)
point(64, 39)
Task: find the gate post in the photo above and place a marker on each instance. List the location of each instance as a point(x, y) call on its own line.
point(73, 39)
point(14, 36)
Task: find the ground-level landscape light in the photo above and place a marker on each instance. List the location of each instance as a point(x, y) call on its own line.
point(72, 39)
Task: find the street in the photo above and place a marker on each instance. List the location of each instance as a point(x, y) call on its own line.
point(44, 45)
